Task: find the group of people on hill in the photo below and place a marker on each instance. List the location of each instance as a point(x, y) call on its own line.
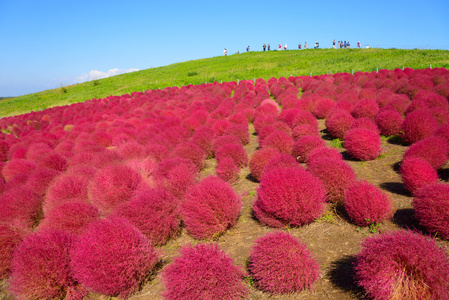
point(345, 45)
point(335, 45)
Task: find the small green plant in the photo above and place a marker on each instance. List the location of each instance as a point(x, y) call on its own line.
point(63, 89)
point(192, 73)
point(374, 227)
point(336, 143)
point(327, 217)
point(95, 82)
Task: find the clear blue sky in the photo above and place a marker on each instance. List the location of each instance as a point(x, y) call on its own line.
point(44, 44)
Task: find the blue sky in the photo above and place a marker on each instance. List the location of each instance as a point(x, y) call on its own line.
point(45, 44)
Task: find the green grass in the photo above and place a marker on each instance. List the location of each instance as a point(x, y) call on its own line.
point(248, 65)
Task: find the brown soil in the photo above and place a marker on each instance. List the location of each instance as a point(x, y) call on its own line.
point(332, 239)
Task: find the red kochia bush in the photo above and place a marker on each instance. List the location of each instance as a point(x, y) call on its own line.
point(280, 264)
point(367, 204)
point(280, 141)
point(40, 179)
point(210, 207)
point(9, 240)
point(228, 170)
point(323, 107)
point(432, 208)
point(66, 188)
point(281, 161)
point(289, 196)
point(71, 217)
point(418, 125)
point(20, 206)
point(433, 149)
point(389, 122)
point(416, 172)
point(304, 129)
point(366, 108)
point(154, 212)
point(113, 185)
point(363, 144)
point(338, 123)
point(220, 278)
point(402, 265)
point(112, 257)
point(323, 151)
point(259, 160)
point(40, 266)
point(303, 146)
point(336, 175)
point(192, 151)
point(234, 151)
point(17, 166)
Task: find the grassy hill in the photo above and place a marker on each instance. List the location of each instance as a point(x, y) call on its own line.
point(235, 67)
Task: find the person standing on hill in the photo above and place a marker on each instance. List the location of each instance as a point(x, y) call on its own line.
point(247, 49)
point(225, 52)
point(299, 46)
point(305, 45)
point(358, 44)
point(268, 47)
point(333, 44)
point(285, 46)
point(264, 47)
point(280, 47)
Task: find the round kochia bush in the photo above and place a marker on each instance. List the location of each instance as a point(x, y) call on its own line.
point(210, 207)
point(259, 160)
point(154, 212)
point(112, 257)
point(9, 239)
point(433, 149)
point(280, 264)
point(432, 208)
point(113, 185)
point(336, 175)
point(363, 144)
point(366, 204)
point(416, 172)
point(219, 277)
point(289, 196)
point(402, 265)
point(72, 217)
point(418, 125)
point(40, 268)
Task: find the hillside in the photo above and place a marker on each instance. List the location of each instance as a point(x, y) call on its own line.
point(231, 68)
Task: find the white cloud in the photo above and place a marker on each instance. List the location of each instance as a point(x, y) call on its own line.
point(95, 74)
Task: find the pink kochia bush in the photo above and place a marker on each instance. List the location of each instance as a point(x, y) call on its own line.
point(402, 265)
point(72, 217)
point(336, 175)
point(366, 204)
point(289, 196)
point(259, 160)
point(112, 257)
point(416, 172)
point(20, 207)
point(210, 207)
point(154, 212)
point(432, 208)
point(9, 240)
point(338, 123)
point(113, 185)
point(433, 149)
point(363, 144)
point(234, 151)
point(280, 264)
point(40, 267)
point(418, 125)
point(389, 122)
point(219, 277)
point(303, 146)
point(228, 170)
